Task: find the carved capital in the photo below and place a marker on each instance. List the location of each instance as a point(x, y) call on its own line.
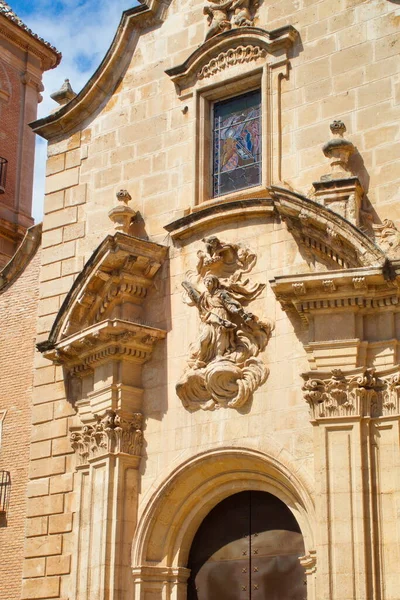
point(361, 394)
point(110, 434)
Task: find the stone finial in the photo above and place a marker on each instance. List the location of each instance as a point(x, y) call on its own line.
point(64, 94)
point(338, 150)
point(340, 190)
point(122, 214)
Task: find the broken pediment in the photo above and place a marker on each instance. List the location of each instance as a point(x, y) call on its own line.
point(103, 312)
point(324, 234)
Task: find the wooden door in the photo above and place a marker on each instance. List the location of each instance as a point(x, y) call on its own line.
point(247, 548)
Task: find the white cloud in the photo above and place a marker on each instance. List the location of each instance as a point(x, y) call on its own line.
point(82, 30)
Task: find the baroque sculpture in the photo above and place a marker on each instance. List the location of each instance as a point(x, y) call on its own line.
point(224, 366)
point(223, 15)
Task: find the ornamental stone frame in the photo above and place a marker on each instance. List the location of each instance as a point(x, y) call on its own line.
point(231, 63)
point(161, 545)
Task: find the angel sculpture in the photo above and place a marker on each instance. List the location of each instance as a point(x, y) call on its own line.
point(223, 15)
point(223, 368)
point(241, 13)
point(217, 17)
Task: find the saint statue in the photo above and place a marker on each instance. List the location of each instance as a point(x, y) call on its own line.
point(224, 368)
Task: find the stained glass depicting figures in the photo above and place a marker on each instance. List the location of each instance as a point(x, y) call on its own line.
point(237, 143)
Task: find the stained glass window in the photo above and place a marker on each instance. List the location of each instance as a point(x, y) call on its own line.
point(237, 143)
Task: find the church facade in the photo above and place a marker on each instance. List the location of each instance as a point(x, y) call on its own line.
point(216, 391)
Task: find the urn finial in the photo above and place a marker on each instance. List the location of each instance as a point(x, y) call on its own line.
point(122, 214)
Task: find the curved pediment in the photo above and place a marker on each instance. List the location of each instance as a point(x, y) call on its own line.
point(332, 239)
point(111, 287)
point(103, 82)
point(236, 46)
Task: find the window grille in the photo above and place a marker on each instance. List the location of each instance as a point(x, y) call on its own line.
point(3, 174)
point(5, 486)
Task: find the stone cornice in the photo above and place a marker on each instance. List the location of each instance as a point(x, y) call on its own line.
point(231, 47)
point(353, 394)
point(103, 82)
point(109, 339)
point(22, 257)
point(361, 288)
point(209, 214)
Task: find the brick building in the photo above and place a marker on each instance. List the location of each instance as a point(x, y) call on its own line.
point(216, 396)
point(23, 58)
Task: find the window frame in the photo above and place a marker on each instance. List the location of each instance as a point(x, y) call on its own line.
point(206, 98)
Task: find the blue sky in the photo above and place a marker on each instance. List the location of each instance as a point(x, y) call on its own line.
point(82, 30)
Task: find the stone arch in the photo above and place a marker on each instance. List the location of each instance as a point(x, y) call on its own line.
point(178, 506)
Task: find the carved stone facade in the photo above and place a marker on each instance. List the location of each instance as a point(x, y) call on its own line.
point(194, 346)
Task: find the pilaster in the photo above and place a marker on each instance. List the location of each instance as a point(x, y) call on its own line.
point(356, 417)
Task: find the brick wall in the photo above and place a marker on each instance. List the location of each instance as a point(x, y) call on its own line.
point(18, 308)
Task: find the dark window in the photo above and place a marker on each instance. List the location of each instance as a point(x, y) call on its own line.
point(3, 174)
point(237, 143)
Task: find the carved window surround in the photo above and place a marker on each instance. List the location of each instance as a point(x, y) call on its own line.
point(229, 64)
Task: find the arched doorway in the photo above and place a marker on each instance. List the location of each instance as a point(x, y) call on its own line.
point(247, 548)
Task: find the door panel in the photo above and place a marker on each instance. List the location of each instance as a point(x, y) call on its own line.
point(247, 548)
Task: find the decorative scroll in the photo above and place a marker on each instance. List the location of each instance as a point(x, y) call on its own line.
point(362, 395)
point(109, 435)
point(224, 367)
point(233, 56)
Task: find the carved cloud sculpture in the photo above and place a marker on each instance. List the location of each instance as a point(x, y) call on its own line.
point(224, 366)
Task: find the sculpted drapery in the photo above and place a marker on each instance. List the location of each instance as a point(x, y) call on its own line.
point(224, 368)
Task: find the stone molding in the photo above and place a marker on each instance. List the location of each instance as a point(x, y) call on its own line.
point(209, 214)
point(231, 57)
point(105, 79)
point(324, 234)
point(226, 45)
point(321, 233)
point(358, 394)
point(361, 288)
point(108, 340)
point(110, 434)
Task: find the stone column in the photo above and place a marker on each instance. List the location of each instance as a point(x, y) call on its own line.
point(109, 455)
point(341, 471)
